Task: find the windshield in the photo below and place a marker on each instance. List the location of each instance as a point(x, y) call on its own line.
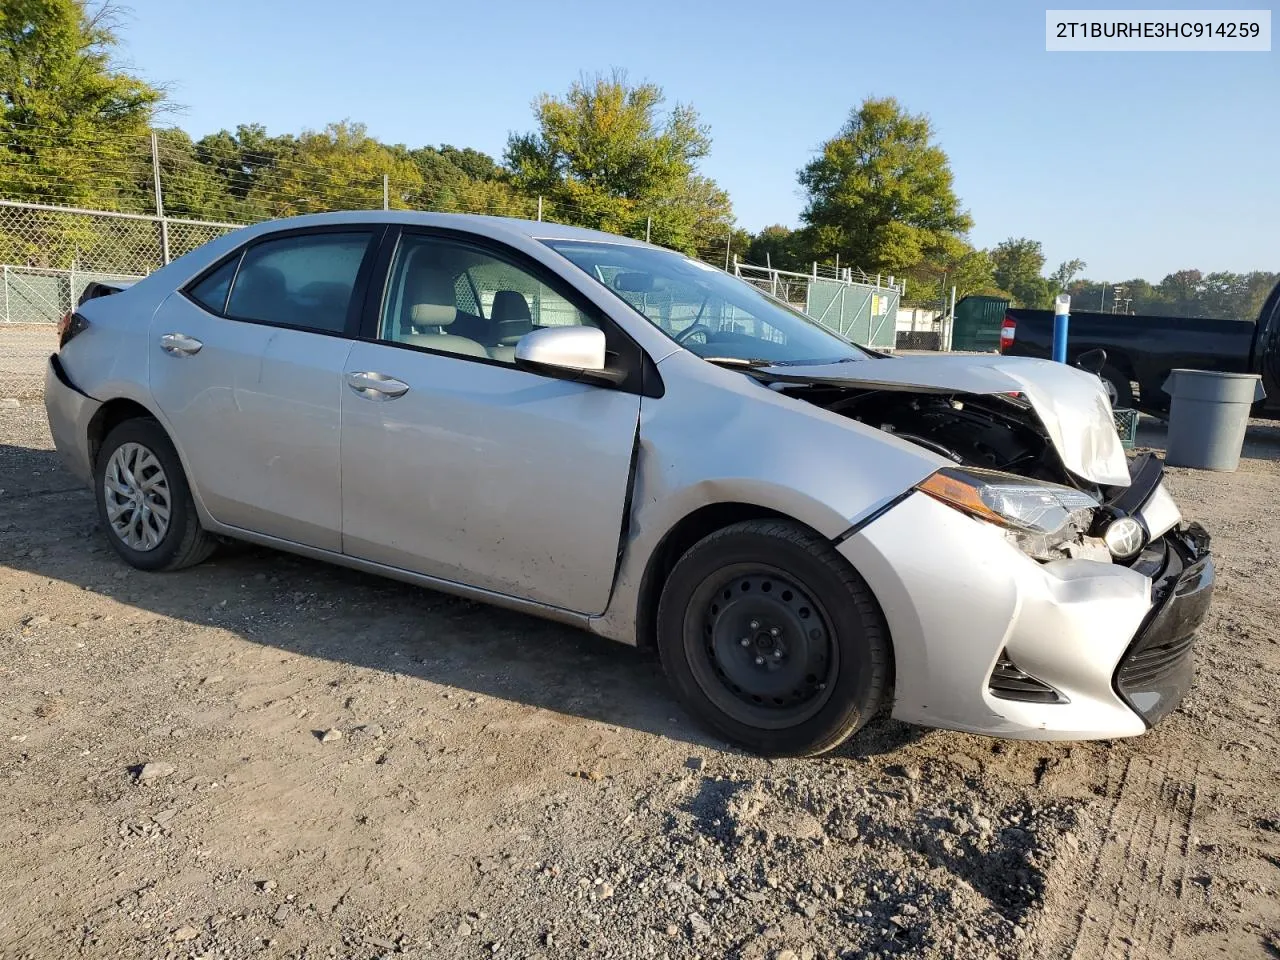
point(703, 309)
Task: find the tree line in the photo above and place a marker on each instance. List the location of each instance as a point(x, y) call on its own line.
point(76, 130)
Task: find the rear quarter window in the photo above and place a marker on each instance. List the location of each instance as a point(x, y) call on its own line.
point(211, 292)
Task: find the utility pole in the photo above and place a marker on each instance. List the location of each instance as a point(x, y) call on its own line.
point(728, 242)
point(648, 226)
point(386, 192)
point(155, 176)
point(539, 208)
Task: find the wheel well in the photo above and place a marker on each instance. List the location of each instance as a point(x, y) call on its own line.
point(701, 523)
point(112, 414)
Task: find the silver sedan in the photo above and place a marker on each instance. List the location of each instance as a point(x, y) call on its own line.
point(613, 435)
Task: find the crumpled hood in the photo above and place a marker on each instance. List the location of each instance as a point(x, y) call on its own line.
point(1071, 403)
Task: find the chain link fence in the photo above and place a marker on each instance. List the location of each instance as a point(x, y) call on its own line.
point(862, 310)
point(24, 349)
point(48, 255)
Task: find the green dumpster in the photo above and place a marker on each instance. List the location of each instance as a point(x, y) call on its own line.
point(977, 325)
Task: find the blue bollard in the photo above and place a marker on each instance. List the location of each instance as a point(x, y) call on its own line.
point(1061, 315)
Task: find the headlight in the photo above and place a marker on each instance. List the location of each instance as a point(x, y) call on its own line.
point(1037, 515)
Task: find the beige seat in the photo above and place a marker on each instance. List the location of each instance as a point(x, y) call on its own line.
point(429, 310)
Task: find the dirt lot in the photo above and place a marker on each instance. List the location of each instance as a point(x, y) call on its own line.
point(170, 785)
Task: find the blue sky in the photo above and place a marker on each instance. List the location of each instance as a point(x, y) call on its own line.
point(1139, 164)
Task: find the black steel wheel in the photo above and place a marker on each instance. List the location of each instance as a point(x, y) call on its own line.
point(764, 651)
point(772, 639)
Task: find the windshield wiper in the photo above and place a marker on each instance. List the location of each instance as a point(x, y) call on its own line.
point(744, 362)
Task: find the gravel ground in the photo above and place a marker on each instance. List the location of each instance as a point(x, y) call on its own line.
point(269, 757)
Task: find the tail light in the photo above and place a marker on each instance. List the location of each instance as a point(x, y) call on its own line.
point(70, 325)
point(1007, 330)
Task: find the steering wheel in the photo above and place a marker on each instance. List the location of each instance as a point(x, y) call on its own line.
point(690, 331)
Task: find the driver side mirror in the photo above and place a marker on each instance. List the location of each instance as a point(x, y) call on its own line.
point(1092, 360)
point(576, 351)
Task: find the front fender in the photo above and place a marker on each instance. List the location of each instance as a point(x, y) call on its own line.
point(720, 437)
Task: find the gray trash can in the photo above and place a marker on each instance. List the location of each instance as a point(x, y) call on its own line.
point(1207, 417)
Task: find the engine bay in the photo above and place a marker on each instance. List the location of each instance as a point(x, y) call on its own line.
point(993, 432)
point(997, 432)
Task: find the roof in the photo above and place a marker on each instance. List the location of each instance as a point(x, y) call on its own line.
point(477, 223)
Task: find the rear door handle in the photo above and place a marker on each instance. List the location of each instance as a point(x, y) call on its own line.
point(180, 345)
point(376, 386)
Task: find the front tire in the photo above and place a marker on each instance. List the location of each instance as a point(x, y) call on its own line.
point(144, 502)
point(772, 639)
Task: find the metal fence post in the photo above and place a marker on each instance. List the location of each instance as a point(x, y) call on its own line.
point(1061, 318)
point(155, 174)
point(6, 294)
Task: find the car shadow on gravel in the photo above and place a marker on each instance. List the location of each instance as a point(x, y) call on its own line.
point(48, 527)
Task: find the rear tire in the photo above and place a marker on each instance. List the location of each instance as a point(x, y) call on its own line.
point(773, 640)
point(144, 501)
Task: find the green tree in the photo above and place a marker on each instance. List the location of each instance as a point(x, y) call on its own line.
point(338, 168)
point(1183, 290)
point(954, 263)
point(607, 156)
point(880, 192)
point(1018, 263)
point(1066, 272)
point(775, 246)
point(466, 181)
point(240, 162)
point(73, 125)
point(191, 189)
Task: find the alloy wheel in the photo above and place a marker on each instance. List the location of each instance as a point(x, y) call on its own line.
point(136, 493)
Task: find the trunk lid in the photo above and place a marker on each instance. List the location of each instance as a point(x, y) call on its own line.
point(1071, 404)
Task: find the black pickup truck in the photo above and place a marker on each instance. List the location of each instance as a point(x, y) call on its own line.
point(1141, 350)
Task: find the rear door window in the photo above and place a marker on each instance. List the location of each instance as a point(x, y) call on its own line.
point(211, 292)
point(304, 281)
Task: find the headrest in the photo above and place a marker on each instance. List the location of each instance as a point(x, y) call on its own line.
point(510, 305)
point(511, 316)
point(432, 314)
point(327, 293)
point(429, 300)
point(261, 280)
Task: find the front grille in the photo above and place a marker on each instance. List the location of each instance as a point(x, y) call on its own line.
point(1008, 682)
point(1150, 665)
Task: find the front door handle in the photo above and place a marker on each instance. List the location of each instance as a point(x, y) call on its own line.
point(376, 386)
point(180, 345)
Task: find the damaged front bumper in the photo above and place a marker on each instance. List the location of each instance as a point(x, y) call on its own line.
point(990, 641)
point(1155, 672)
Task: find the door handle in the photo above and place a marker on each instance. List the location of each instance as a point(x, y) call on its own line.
point(376, 386)
point(180, 345)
